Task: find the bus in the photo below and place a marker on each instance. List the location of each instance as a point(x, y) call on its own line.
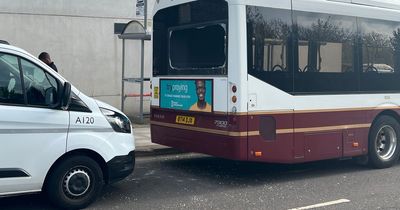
point(286, 81)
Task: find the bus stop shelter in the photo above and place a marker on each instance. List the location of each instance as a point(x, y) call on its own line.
point(134, 30)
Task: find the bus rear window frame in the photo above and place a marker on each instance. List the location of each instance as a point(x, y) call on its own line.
point(220, 70)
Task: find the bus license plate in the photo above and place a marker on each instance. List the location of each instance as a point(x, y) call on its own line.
point(185, 120)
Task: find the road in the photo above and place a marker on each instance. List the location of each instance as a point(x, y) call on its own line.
point(192, 181)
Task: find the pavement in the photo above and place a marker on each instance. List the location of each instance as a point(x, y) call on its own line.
point(144, 146)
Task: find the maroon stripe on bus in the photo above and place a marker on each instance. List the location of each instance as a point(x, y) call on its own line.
point(200, 142)
point(320, 119)
point(244, 123)
point(313, 138)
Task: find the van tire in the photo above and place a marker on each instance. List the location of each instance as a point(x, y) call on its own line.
point(75, 182)
point(383, 142)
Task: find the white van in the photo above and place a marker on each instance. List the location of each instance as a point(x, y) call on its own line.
point(54, 138)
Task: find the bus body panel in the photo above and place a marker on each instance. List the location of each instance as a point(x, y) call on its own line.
point(213, 134)
point(272, 135)
point(280, 126)
point(236, 51)
point(223, 146)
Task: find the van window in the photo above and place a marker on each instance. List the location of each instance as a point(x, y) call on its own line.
point(10, 80)
point(41, 88)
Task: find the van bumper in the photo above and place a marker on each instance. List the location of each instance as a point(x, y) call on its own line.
point(120, 167)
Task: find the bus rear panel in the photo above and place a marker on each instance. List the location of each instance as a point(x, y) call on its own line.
point(190, 81)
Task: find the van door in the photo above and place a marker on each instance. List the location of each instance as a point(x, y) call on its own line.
point(32, 135)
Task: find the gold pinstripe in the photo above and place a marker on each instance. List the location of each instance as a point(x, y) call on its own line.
point(204, 130)
point(304, 111)
point(331, 128)
point(257, 133)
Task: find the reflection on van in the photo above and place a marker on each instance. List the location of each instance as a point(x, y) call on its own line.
point(378, 68)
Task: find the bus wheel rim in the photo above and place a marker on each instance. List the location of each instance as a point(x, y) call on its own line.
point(386, 142)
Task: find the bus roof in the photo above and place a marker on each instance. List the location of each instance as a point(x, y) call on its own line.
point(387, 4)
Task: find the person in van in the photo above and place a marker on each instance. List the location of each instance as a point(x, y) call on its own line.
point(45, 57)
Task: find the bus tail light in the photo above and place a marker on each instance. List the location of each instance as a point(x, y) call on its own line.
point(234, 110)
point(258, 154)
point(234, 88)
point(234, 99)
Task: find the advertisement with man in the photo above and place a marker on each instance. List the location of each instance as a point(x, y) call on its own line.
point(190, 95)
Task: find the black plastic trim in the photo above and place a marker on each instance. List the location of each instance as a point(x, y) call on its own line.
point(120, 167)
point(12, 173)
point(77, 105)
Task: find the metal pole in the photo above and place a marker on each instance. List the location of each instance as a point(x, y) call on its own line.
point(123, 76)
point(142, 65)
point(142, 82)
point(145, 15)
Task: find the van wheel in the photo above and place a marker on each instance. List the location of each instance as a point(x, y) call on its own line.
point(75, 183)
point(384, 148)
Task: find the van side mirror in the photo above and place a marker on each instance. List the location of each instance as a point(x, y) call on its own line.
point(66, 96)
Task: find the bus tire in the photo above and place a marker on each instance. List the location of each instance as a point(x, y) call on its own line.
point(383, 144)
point(75, 182)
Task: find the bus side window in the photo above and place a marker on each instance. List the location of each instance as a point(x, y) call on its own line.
point(269, 46)
point(325, 53)
point(380, 54)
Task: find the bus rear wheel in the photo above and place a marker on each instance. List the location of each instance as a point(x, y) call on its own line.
point(75, 183)
point(384, 145)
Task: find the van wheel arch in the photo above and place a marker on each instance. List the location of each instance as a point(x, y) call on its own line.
point(85, 152)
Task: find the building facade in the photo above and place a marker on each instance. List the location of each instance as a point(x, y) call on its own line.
point(79, 36)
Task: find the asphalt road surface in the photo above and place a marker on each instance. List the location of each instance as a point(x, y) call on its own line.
point(191, 181)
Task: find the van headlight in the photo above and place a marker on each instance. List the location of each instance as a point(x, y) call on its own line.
point(118, 122)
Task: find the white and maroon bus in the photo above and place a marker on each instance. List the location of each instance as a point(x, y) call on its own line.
point(285, 81)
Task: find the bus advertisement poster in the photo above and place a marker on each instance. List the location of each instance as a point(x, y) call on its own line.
point(187, 94)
